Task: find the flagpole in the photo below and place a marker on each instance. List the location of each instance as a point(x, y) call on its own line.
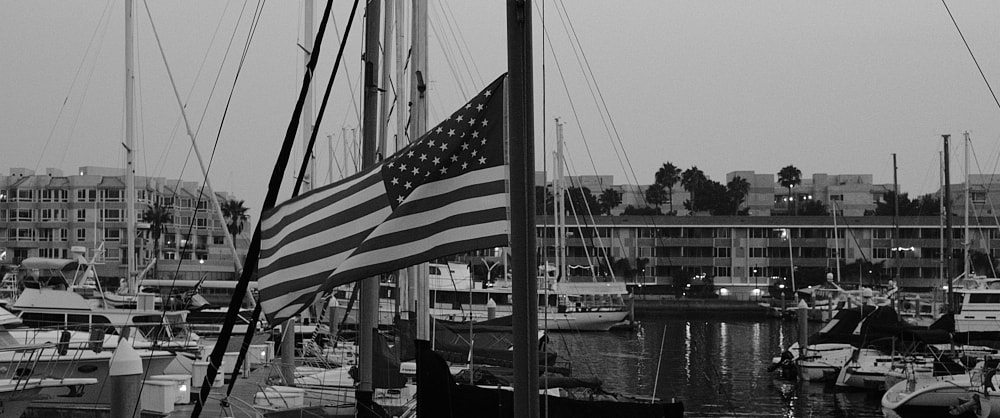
point(369, 308)
point(520, 133)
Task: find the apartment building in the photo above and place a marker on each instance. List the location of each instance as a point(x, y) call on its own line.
point(56, 215)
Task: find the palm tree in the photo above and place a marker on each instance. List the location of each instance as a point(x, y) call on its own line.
point(692, 180)
point(236, 216)
point(610, 198)
point(655, 195)
point(790, 177)
point(667, 176)
point(738, 188)
point(158, 216)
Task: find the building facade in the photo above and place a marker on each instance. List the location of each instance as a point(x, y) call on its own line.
point(59, 216)
point(743, 253)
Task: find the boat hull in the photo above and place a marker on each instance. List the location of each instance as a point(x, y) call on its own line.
point(940, 393)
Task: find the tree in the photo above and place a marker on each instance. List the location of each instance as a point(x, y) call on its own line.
point(641, 211)
point(667, 176)
point(544, 201)
point(236, 216)
point(926, 205)
point(655, 195)
point(693, 180)
point(609, 199)
point(158, 216)
point(789, 177)
point(582, 201)
point(737, 190)
point(815, 208)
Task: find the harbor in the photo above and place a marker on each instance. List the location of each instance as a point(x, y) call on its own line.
point(391, 209)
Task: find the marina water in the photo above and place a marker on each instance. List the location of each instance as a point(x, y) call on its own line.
point(717, 365)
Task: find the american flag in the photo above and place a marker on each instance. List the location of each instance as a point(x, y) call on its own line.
point(444, 194)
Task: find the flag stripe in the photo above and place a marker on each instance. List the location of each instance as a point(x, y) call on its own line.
point(313, 203)
point(330, 230)
point(441, 244)
point(325, 256)
point(459, 214)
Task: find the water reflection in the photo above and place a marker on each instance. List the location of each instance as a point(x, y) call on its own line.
point(718, 367)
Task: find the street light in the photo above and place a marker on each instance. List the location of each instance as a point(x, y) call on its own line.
point(786, 234)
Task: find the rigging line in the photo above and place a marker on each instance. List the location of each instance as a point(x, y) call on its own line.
point(86, 89)
point(600, 95)
point(72, 83)
point(458, 47)
point(350, 85)
point(326, 99)
point(589, 77)
point(974, 60)
point(201, 66)
point(591, 220)
point(980, 227)
point(446, 52)
point(461, 36)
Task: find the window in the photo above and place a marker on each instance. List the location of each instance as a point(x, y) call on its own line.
point(185, 203)
point(722, 232)
point(723, 272)
point(3, 215)
point(111, 195)
point(201, 222)
point(880, 252)
point(112, 234)
point(758, 252)
point(45, 235)
point(52, 252)
point(24, 195)
point(53, 215)
point(218, 240)
point(23, 234)
point(81, 215)
point(21, 215)
point(86, 195)
point(81, 234)
point(882, 233)
point(111, 215)
point(977, 196)
point(112, 253)
point(723, 252)
point(202, 204)
point(837, 197)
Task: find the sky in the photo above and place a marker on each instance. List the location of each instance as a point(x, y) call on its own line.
point(829, 87)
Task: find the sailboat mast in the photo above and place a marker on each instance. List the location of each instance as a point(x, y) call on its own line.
point(895, 218)
point(836, 240)
point(368, 315)
point(948, 255)
point(130, 145)
point(520, 130)
point(418, 126)
point(966, 240)
point(307, 108)
point(560, 212)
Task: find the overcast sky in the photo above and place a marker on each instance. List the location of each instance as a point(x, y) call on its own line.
point(830, 87)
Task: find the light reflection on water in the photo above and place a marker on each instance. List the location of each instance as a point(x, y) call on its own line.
point(717, 366)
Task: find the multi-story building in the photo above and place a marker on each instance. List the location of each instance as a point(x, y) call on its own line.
point(744, 252)
point(55, 215)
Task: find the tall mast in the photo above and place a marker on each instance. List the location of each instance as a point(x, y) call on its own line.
point(966, 239)
point(307, 107)
point(130, 145)
point(895, 218)
point(560, 212)
point(836, 240)
point(520, 128)
point(418, 125)
point(368, 311)
point(383, 116)
point(948, 255)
